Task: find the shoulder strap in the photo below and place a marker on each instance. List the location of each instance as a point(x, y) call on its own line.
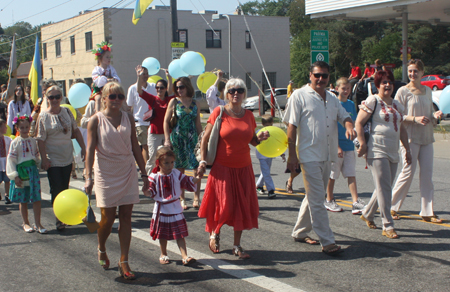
point(221, 111)
point(374, 108)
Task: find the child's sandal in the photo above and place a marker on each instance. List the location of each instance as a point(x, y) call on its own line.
point(187, 261)
point(164, 260)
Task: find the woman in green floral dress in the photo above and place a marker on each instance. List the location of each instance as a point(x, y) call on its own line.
point(184, 136)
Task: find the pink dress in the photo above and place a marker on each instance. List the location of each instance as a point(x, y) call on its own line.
point(116, 179)
point(168, 221)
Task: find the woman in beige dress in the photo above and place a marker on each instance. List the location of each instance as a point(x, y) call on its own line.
point(112, 142)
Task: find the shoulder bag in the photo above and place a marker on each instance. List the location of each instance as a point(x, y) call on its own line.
point(174, 119)
point(367, 127)
point(213, 141)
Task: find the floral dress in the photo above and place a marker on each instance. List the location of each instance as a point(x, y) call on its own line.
point(184, 136)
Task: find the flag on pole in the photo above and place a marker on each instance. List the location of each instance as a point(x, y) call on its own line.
point(12, 70)
point(35, 74)
point(139, 9)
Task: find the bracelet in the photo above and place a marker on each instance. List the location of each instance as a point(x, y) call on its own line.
point(203, 162)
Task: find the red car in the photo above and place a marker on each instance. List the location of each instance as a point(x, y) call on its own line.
point(435, 82)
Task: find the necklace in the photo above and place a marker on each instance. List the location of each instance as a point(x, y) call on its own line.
point(237, 114)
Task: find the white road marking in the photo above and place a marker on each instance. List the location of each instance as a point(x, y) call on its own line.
point(220, 265)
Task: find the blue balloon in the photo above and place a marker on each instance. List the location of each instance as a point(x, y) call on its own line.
point(152, 65)
point(175, 70)
point(76, 147)
point(79, 95)
point(192, 63)
point(444, 100)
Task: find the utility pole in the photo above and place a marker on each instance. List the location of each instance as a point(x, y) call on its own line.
point(173, 8)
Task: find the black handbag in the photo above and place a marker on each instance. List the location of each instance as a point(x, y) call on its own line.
point(89, 220)
point(368, 125)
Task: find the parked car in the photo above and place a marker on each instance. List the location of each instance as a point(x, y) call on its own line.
point(280, 95)
point(435, 82)
point(252, 103)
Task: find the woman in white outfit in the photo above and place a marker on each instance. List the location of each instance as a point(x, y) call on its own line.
point(18, 106)
point(419, 120)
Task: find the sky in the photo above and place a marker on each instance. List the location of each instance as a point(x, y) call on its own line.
point(38, 12)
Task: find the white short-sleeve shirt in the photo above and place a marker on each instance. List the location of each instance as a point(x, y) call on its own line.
point(140, 106)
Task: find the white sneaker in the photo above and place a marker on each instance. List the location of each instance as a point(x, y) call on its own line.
point(358, 206)
point(333, 206)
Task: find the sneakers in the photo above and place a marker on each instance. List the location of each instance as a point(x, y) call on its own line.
point(332, 206)
point(7, 200)
point(358, 206)
point(260, 191)
point(271, 194)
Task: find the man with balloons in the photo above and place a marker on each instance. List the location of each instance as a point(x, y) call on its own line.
point(312, 115)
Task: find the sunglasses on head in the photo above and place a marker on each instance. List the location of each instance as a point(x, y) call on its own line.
point(52, 97)
point(160, 87)
point(234, 90)
point(323, 75)
point(114, 96)
point(180, 87)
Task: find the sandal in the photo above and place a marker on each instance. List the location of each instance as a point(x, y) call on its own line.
point(216, 239)
point(60, 226)
point(395, 215)
point(289, 187)
point(40, 230)
point(390, 234)
point(164, 260)
point(27, 229)
point(331, 249)
point(239, 252)
point(103, 263)
point(126, 275)
point(196, 204)
point(307, 240)
point(370, 224)
point(187, 261)
point(183, 204)
point(432, 219)
point(74, 175)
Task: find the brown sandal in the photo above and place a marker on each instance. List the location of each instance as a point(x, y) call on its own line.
point(289, 187)
point(395, 215)
point(432, 219)
point(239, 252)
point(390, 234)
point(331, 249)
point(370, 224)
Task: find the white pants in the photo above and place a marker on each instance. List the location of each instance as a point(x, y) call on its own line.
point(383, 172)
point(424, 155)
point(312, 214)
point(153, 142)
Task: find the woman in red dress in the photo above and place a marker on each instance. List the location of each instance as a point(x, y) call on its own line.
point(230, 194)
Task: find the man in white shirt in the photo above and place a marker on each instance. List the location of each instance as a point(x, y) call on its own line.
point(140, 107)
point(312, 116)
point(214, 94)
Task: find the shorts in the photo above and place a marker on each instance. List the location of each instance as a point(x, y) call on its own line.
point(141, 133)
point(346, 165)
point(4, 177)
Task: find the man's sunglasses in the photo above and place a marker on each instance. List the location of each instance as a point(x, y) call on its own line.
point(114, 96)
point(323, 75)
point(234, 90)
point(52, 97)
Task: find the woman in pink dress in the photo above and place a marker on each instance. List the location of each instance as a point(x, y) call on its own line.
point(112, 140)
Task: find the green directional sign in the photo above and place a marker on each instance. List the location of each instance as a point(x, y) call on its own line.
point(320, 56)
point(319, 40)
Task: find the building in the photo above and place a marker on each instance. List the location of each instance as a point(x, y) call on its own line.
point(67, 45)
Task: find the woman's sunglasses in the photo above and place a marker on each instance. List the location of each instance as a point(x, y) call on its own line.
point(180, 87)
point(52, 97)
point(115, 96)
point(160, 87)
point(234, 90)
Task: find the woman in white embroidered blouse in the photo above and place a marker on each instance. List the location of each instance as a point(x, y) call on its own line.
point(382, 148)
point(18, 106)
point(419, 121)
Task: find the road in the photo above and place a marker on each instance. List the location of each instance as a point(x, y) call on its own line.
point(67, 261)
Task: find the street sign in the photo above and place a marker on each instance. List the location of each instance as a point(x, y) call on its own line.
point(320, 56)
point(177, 45)
point(408, 57)
point(408, 50)
point(177, 50)
point(319, 40)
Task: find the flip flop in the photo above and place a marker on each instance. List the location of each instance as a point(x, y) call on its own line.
point(187, 261)
point(307, 240)
point(332, 249)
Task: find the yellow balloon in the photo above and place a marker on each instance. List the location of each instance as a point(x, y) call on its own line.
point(8, 131)
point(275, 145)
point(74, 112)
point(201, 115)
point(205, 80)
point(154, 79)
point(204, 59)
point(70, 206)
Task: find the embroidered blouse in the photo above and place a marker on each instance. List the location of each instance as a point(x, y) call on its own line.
point(21, 150)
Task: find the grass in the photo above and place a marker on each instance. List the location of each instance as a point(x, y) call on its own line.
point(442, 129)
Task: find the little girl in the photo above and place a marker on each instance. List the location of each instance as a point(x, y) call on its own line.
point(21, 168)
point(168, 221)
point(103, 72)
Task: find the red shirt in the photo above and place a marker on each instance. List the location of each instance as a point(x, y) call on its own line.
point(356, 72)
point(160, 107)
point(369, 72)
point(235, 134)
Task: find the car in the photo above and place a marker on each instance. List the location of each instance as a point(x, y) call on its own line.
point(252, 103)
point(435, 82)
point(280, 95)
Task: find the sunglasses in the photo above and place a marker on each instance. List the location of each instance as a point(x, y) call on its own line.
point(323, 75)
point(114, 96)
point(387, 81)
point(234, 90)
point(52, 97)
point(181, 87)
point(160, 87)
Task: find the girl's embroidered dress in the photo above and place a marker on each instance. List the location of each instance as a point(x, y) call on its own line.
point(22, 161)
point(168, 221)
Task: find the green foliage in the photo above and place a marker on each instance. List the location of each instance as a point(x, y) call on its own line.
point(4, 76)
point(398, 74)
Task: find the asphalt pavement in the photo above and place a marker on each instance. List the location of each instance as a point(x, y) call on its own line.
point(67, 261)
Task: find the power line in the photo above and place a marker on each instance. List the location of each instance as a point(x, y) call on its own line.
point(43, 11)
point(7, 5)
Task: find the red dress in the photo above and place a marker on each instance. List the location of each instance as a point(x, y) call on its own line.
point(230, 194)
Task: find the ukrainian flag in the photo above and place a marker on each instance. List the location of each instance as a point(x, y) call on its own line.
point(141, 6)
point(35, 74)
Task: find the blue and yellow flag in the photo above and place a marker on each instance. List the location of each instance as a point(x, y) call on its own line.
point(35, 74)
point(141, 6)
